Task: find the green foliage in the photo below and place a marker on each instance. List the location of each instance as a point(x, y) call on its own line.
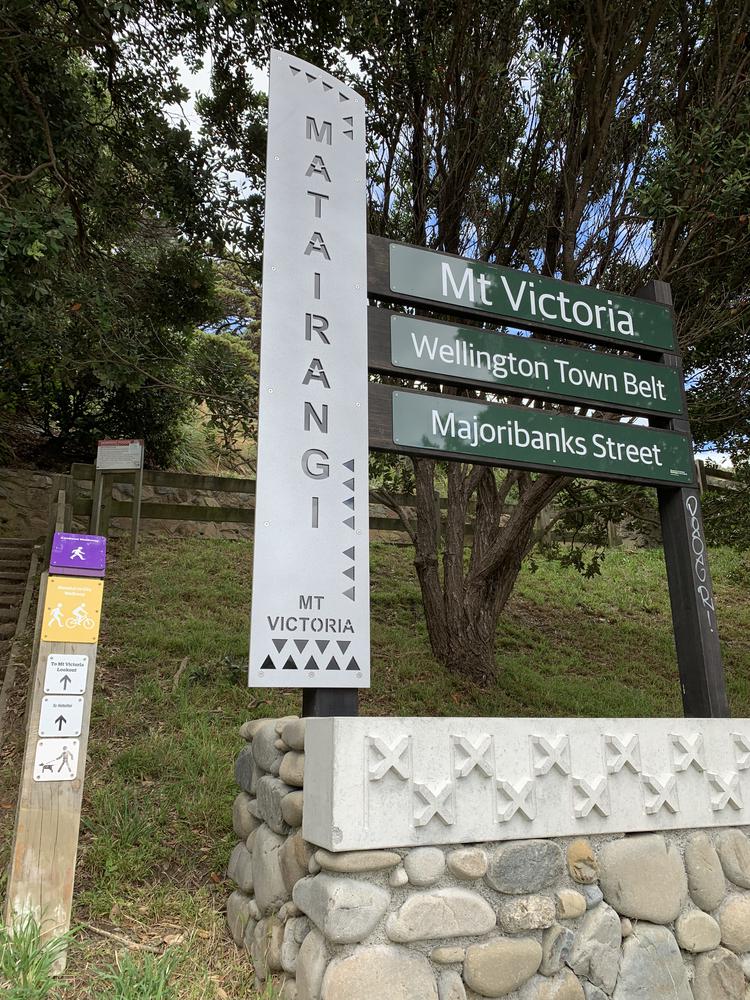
point(726, 513)
point(26, 963)
point(147, 978)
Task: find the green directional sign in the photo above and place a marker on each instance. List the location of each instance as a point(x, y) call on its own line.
point(500, 361)
point(480, 431)
point(528, 300)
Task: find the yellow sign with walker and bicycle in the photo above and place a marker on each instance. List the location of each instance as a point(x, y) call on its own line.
point(72, 609)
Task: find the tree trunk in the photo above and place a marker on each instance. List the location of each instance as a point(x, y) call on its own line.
point(463, 608)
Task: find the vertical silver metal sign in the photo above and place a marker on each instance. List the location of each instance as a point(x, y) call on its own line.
point(310, 622)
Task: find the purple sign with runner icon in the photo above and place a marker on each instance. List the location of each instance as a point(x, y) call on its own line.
point(78, 555)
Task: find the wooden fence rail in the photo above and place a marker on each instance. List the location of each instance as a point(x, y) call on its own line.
point(79, 505)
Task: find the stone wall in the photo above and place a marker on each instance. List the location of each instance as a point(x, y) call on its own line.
point(649, 916)
point(25, 497)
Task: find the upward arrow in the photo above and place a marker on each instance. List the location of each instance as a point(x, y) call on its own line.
point(60, 722)
point(65, 680)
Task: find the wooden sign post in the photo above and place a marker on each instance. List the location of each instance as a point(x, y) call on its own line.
point(117, 456)
point(48, 814)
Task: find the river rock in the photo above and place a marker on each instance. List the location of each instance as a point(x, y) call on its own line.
point(352, 862)
point(398, 877)
point(238, 914)
point(704, 872)
point(451, 986)
point(294, 858)
point(379, 971)
point(266, 947)
point(592, 992)
point(696, 931)
point(291, 808)
point(652, 967)
point(718, 976)
point(596, 952)
point(344, 909)
point(557, 944)
point(734, 852)
point(530, 913)
point(569, 904)
point(522, 866)
point(448, 954)
point(441, 913)
point(468, 863)
point(271, 792)
point(424, 865)
point(292, 768)
point(565, 986)
point(244, 820)
point(249, 730)
point(295, 931)
point(497, 967)
point(593, 895)
point(288, 990)
point(293, 734)
point(240, 868)
point(312, 960)
point(245, 771)
point(268, 881)
point(643, 878)
point(582, 864)
point(267, 756)
point(734, 921)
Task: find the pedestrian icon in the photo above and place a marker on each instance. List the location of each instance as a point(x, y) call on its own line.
point(56, 617)
point(56, 760)
point(72, 609)
point(77, 553)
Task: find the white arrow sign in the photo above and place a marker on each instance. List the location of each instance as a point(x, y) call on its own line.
point(66, 673)
point(61, 716)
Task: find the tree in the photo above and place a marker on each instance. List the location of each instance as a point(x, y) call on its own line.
point(112, 214)
point(536, 136)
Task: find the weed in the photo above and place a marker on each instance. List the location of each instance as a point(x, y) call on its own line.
point(26, 962)
point(147, 979)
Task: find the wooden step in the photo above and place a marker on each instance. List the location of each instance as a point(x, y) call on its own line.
point(22, 555)
point(14, 565)
point(9, 615)
point(20, 543)
point(13, 575)
point(7, 630)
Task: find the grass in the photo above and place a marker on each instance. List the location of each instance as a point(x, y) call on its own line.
point(170, 694)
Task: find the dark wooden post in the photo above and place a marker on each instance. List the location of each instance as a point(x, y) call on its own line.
point(329, 701)
point(691, 592)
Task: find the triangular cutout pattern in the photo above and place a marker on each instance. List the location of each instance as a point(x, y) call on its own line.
point(294, 70)
point(268, 664)
point(344, 645)
point(301, 643)
point(349, 553)
point(333, 664)
point(326, 86)
point(343, 97)
point(322, 644)
point(310, 77)
point(353, 665)
point(311, 664)
point(349, 593)
point(349, 121)
point(349, 135)
point(349, 522)
point(290, 664)
point(349, 572)
point(349, 485)
point(349, 465)
point(279, 644)
point(349, 502)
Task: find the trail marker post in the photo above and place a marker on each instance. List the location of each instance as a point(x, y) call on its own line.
point(45, 844)
point(125, 455)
